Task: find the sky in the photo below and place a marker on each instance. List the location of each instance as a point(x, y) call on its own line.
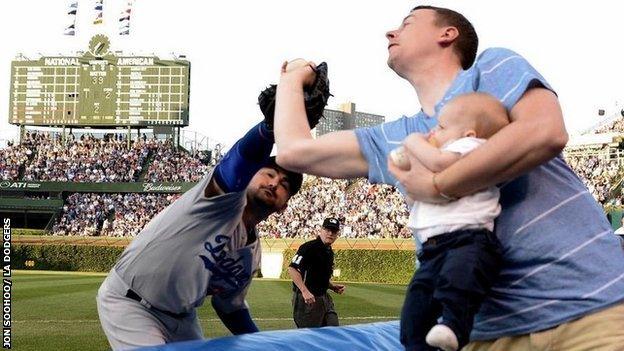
point(236, 48)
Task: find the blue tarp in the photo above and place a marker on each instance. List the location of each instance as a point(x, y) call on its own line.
point(359, 337)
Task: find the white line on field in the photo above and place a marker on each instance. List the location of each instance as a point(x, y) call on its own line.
point(201, 319)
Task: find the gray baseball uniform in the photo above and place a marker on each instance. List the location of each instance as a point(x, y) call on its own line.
point(193, 248)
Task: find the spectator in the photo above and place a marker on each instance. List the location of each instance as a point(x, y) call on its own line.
point(120, 215)
point(172, 165)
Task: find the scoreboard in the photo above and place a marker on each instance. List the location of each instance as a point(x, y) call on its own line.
point(100, 88)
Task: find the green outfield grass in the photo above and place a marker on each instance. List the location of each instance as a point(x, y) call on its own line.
point(56, 310)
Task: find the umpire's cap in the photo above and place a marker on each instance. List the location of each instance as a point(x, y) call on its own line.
point(332, 224)
point(294, 179)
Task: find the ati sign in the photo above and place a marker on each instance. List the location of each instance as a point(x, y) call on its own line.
point(19, 185)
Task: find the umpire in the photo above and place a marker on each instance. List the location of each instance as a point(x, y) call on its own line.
point(311, 270)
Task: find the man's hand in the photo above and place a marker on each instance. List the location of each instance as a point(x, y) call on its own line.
point(338, 288)
point(417, 181)
point(308, 298)
point(299, 71)
point(306, 82)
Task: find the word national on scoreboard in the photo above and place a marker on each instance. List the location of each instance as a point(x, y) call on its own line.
point(100, 88)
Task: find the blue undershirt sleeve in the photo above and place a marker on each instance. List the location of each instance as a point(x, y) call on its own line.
point(244, 159)
point(238, 322)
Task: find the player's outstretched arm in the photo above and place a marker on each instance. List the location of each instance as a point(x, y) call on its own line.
point(334, 155)
point(242, 161)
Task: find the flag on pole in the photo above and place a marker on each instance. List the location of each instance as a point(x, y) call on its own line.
point(99, 10)
point(124, 19)
point(73, 10)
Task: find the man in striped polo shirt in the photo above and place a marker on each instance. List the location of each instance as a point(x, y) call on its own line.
point(561, 286)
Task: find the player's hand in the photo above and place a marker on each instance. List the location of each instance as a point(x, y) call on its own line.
point(308, 298)
point(338, 288)
point(298, 71)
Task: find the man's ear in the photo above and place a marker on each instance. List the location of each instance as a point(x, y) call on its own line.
point(448, 36)
point(470, 133)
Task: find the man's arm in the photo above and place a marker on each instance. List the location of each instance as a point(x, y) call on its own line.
point(334, 155)
point(433, 158)
point(337, 288)
point(535, 135)
point(238, 322)
point(241, 162)
point(298, 280)
point(234, 312)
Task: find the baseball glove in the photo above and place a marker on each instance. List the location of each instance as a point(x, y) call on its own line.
point(315, 98)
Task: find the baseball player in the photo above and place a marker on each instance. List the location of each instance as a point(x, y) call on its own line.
point(204, 244)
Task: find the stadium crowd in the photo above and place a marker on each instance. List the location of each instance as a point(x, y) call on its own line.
point(172, 165)
point(12, 158)
point(366, 211)
point(46, 157)
point(86, 159)
point(119, 215)
point(614, 126)
point(599, 173)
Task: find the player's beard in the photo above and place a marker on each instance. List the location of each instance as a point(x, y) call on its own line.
point(262, 201)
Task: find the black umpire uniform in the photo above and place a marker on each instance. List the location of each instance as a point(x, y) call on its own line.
point(312, 268)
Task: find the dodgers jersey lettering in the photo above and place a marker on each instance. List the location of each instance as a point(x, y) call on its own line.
point(560, 257)
point(193, 248)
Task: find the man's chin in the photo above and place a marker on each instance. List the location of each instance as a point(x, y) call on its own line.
point(391, 63)
point(268, 202)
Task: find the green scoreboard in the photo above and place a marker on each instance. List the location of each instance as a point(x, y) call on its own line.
point(101, 89)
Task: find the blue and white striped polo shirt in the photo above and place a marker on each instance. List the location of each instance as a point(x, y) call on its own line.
point(561, 259)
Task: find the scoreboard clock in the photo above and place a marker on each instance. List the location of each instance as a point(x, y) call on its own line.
point(100, 88)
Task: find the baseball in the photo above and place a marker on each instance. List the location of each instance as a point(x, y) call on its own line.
point(399, 158)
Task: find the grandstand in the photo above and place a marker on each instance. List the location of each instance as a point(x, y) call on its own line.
point(90, 184)
point(597, 156)
point(46, 175)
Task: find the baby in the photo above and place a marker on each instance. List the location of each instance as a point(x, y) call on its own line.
point(460, 255)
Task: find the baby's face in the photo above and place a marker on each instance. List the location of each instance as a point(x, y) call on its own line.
point(447, 130)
